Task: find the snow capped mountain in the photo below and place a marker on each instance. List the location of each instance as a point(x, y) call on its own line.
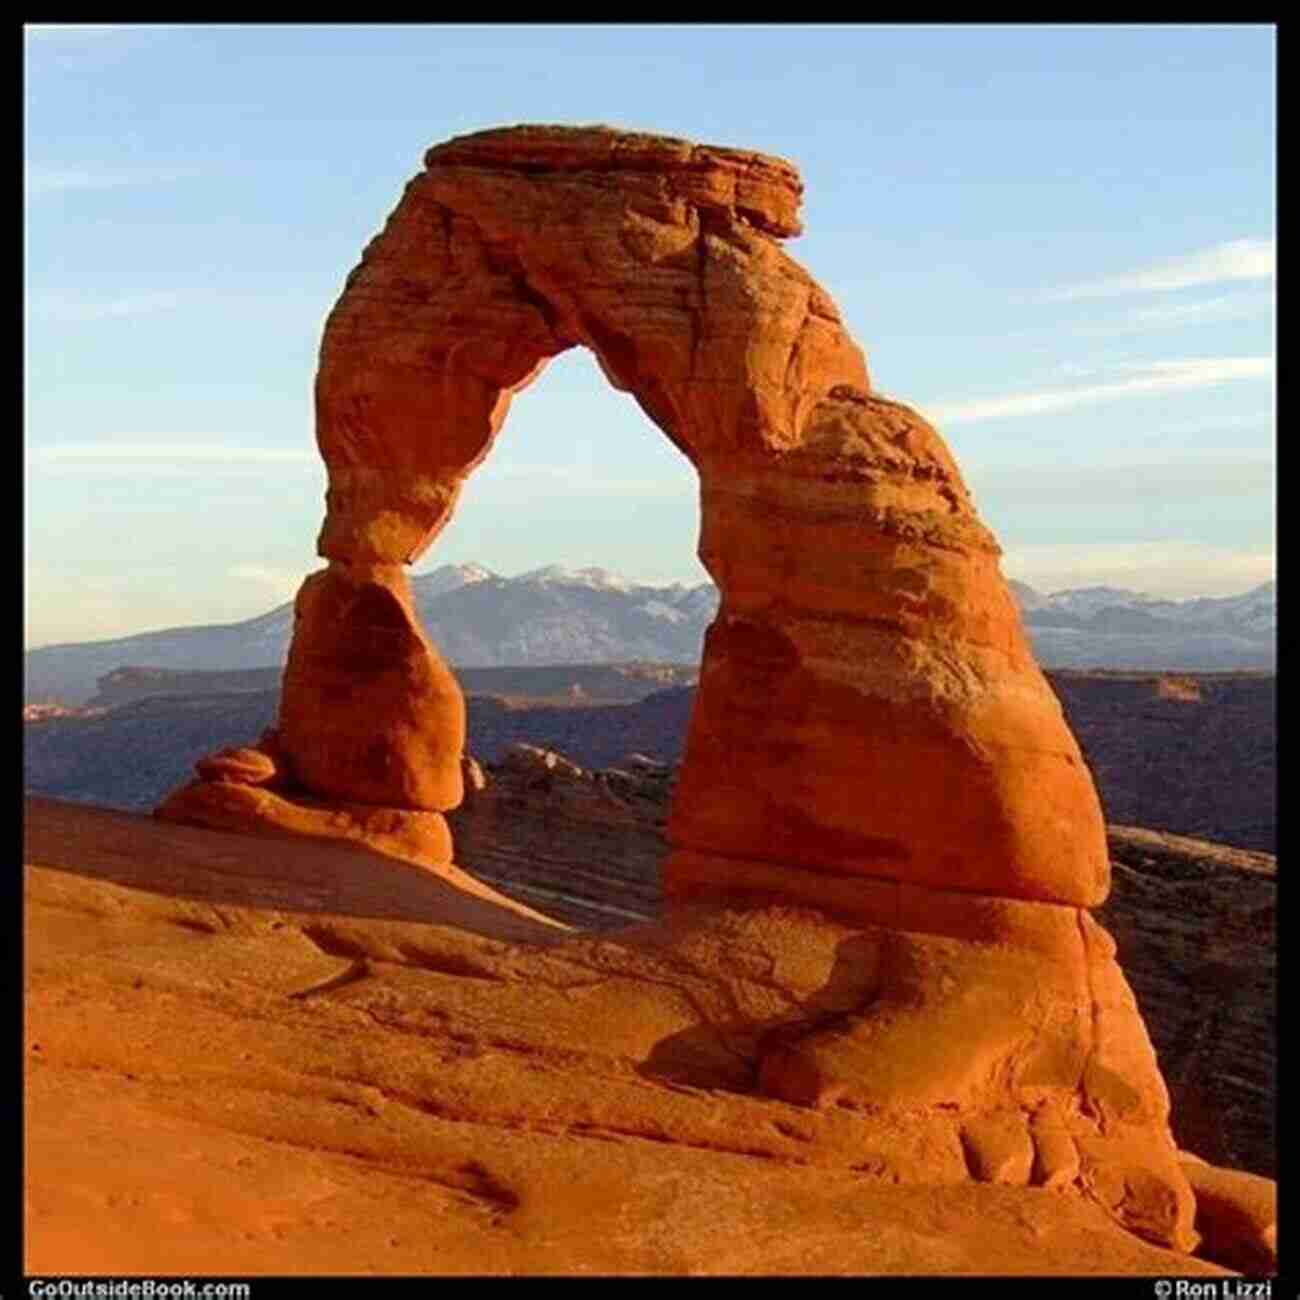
point(595, 578)
point(1086, 601)
point(658, 609)
point(1255, 609)
point(558, 615)
point(450, 577)
point(1112, 627)
point(697, 602)
point(1251, 614)
point(1026, 597)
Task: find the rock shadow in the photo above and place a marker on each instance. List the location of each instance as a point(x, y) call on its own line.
point(725, 1053)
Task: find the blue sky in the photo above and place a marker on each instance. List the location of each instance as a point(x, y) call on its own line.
point(1056, 242)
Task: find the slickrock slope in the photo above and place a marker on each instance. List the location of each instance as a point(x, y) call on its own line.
point(283, 1056)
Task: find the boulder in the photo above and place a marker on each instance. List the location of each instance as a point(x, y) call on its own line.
point(238, 765)
point(408, 834)
point(536, 761)
point(998, 1148)
point(473, 777)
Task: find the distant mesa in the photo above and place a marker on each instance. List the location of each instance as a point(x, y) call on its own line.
point(873, 751)
point(50, 709)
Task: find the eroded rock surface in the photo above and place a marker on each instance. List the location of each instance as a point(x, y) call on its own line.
point(877, 776)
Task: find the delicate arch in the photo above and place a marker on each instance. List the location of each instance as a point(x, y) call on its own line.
point(868, 703)
point(869, 715)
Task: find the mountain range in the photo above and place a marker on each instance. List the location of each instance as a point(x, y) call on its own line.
point(555, 615)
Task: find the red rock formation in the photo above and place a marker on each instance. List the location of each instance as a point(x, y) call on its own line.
point(868, 705)
point(872, 739)
point(868, 702)
point(368, 710)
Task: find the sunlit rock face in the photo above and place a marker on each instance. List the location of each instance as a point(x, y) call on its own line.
point(872, 740)
point(869, 705)
point(368, 710)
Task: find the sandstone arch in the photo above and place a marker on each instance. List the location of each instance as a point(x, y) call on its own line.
point(872, 739)
point(870, 716)
point(868, 703)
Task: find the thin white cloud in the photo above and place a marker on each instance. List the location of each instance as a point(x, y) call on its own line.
point(134, 509)
point(1238, 259)
point(1175, 316)
point(169, 460)
point(1212, 370)
point(42, 179)
point(1260, 417)
point(1174, 570)
point(70, 310)
point(1153, 484)
point(1153, 377)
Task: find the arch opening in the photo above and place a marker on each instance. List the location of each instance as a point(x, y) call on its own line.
point(575, 484)
point(576, 476)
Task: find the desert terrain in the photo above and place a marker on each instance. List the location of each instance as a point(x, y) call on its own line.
point(262, 1056)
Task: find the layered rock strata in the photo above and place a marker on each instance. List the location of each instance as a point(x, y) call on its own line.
point(872, 740)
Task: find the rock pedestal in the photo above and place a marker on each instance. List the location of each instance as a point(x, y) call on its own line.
point(872, 739)
point(369, 712)
point(370, 735)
